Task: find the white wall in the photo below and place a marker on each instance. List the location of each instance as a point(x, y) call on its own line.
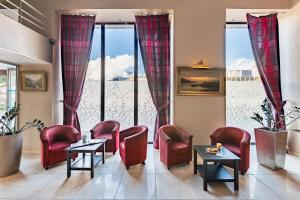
point(198, 34)
point(290, 66)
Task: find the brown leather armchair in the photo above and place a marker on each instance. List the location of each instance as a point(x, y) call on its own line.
point(175, 145)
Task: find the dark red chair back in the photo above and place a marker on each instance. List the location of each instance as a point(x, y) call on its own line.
point(237, 141)
point(108, 130)
point(54, 141)
point(133, 145)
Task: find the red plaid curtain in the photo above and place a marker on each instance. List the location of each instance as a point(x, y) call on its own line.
point(154, 39)
point(76, 39)
point(265, 44)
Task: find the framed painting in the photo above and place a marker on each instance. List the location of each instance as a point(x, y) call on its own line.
point(33, 81)
point(200, 81)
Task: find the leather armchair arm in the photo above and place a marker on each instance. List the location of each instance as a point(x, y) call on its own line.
point(126, 133)
point(133, 138)
point(116, 128)
point(216, 136)
point(44, 138)
point(72, 135)
point(96, 130)
point(245, 142)
point(165, 137)
point(185, 136)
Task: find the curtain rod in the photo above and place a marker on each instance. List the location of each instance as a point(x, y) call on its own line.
point(152, 13)
point(265, 13)
point(79, 14)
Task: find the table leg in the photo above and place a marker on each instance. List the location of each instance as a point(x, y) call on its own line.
point(68, 164)
point(236, 174)
point(204, 175)
point(103, 152)
point(195, 161)
point(92, 164)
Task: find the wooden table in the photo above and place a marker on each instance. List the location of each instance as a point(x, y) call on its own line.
point(83, 163)
point(215, 172)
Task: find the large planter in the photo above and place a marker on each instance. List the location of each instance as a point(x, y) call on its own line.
point(271, 148)
point(10, 154)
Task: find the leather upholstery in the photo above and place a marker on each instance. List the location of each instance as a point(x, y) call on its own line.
point(107, 130)
point(133, 145)
point(175, 145)
point(55, 140)
point(235, 140)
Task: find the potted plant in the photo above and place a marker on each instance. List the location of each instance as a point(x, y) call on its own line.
point(11, 141)
point(271, 138)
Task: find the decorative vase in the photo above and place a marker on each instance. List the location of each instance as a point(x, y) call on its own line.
point(271, 148)
point(10, 154)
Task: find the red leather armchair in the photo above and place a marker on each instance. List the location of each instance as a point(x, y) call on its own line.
point(55, 140)
point(175, 145)
point(237, 141)
point(133, 145)
point(107, 130)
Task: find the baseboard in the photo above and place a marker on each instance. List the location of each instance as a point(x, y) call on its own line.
point(31, 152)
point(294, 153)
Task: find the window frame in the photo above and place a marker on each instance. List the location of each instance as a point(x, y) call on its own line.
point(102, 78)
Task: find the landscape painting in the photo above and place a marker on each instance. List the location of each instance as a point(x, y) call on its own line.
point(33, 81)
point(200, 81)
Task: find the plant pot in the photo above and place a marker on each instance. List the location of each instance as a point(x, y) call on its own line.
point(10, 154)
point(271, 148)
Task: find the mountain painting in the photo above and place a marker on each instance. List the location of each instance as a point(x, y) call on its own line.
point(33, 81)
point(198, 81)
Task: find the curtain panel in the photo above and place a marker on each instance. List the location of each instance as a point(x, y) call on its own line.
point(264, 37)
point(76, 41)
point(154, 39)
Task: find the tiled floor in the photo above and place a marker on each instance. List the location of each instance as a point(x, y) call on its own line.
point(152, 181)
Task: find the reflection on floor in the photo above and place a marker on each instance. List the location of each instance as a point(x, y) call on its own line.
point(152, 181)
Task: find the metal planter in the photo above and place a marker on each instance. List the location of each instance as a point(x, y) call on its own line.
point(271, 148)
point(10, 154)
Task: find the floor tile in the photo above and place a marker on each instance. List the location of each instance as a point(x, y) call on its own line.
point(150, 181)
point(137, 186)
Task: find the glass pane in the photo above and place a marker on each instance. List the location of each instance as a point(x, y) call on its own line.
point(3, 90)
point(119, 73)
point(244, 89)
point(12, 88)
point(89, 107)
point(8, 82)
point(146, 108)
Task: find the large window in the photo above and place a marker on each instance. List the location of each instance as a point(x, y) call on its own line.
point(8, 80)
point(244, 89)
point(116, 87)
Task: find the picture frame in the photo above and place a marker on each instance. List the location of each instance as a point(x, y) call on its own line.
point(34, 81)
point(200, 81)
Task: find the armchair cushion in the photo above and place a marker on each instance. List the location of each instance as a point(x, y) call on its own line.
point(58, 146)
point(179, 147)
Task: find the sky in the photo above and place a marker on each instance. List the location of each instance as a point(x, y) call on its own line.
point(119, 43)
point(239, 53)
point(119, 54)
